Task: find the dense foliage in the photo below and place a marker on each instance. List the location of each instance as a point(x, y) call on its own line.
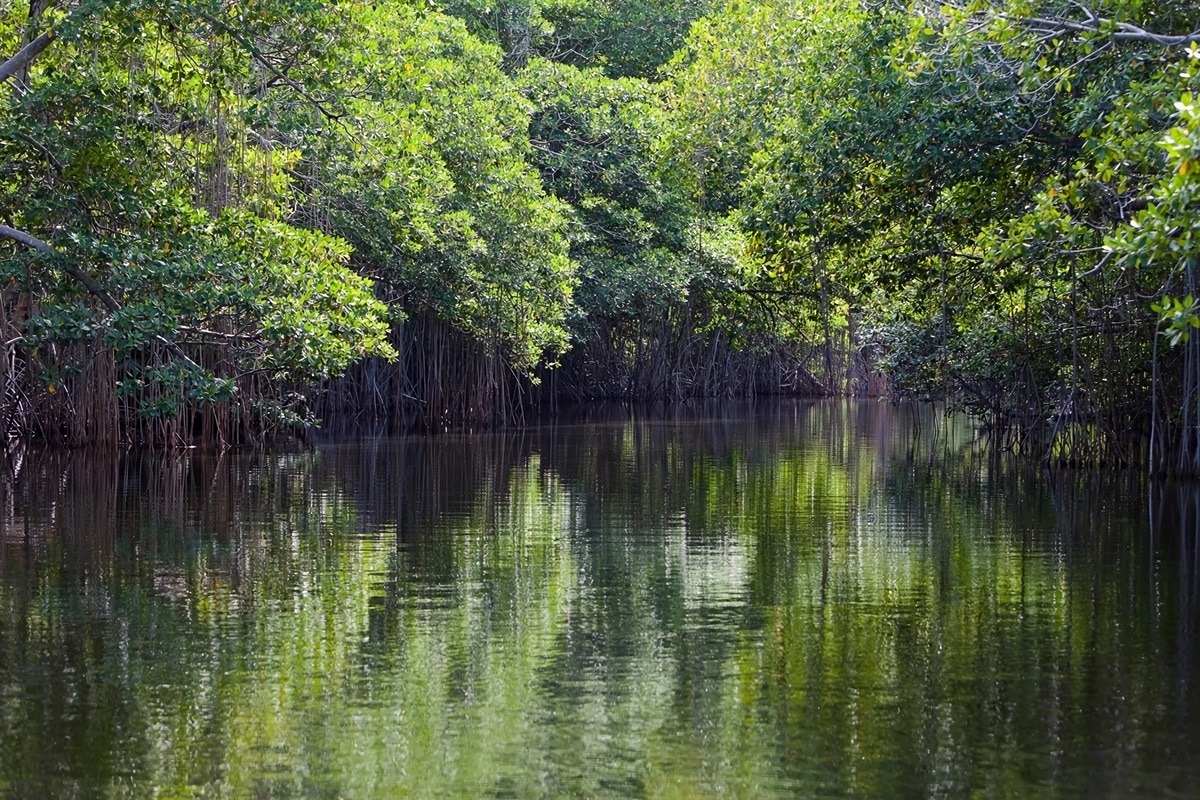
point(157, 272)
point(219, 216)
point(998, 193)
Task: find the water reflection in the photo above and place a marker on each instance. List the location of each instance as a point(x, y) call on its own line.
point(789, 599)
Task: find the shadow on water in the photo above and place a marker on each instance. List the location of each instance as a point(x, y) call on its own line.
point(753, 600)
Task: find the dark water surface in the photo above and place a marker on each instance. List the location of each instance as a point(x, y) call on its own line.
point(789, 600)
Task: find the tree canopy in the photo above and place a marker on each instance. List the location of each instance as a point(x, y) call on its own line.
point(221, 217)
point(999, 191)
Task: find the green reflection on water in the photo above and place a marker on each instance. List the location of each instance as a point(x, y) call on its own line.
point(793, 600)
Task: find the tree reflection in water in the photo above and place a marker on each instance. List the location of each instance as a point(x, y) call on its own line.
point(763, 600)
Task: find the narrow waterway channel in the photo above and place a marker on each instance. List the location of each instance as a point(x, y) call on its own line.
point(786, 599)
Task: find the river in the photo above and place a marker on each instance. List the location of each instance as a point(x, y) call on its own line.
point(786, 599)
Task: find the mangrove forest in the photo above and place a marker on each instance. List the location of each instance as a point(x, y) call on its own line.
point(222, 221)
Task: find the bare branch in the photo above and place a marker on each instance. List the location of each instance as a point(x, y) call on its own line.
point(25, 56)
point(1056, 25)
point(1118, 31)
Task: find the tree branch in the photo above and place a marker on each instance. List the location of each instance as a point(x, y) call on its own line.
point(25, 56)
point(1118, 31)
point(51, 159)
point(262, 60)
point(34, 243)
point(1055, 25)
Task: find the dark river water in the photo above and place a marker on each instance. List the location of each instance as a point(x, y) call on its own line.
point(781, 600)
